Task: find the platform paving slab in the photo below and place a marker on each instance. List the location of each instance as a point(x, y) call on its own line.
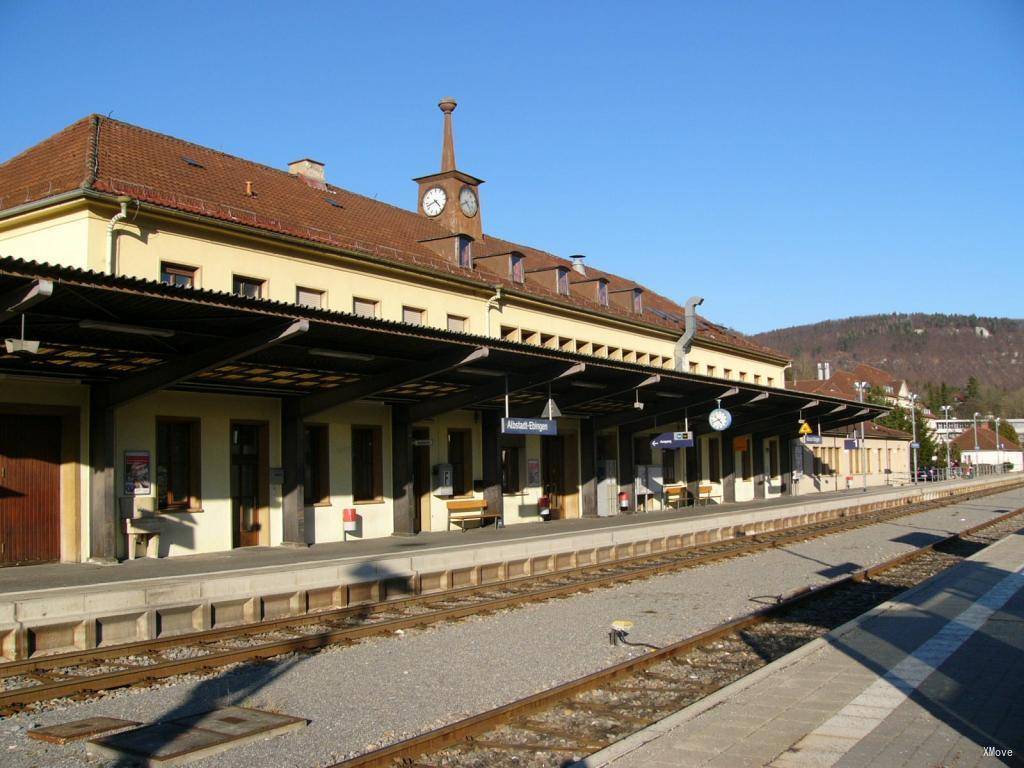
point(930, 679)
point(85, 728)
point(185, 739)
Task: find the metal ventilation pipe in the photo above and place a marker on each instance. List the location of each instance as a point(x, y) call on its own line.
point(684, 342)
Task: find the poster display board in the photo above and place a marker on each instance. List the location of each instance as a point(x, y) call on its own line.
point(137, 476)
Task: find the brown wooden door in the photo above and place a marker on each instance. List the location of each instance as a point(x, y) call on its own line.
point(29, 489)
point(249, 479)
point(559, 457)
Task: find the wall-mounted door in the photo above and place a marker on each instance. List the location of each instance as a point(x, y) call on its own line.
point(29, 489)
point(250, 489)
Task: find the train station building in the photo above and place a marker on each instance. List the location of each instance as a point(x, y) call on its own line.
point(209, 353)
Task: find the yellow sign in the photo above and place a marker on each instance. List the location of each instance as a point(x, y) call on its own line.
point(805, 429)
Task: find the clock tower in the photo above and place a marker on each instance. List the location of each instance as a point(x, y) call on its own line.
point(451, 197)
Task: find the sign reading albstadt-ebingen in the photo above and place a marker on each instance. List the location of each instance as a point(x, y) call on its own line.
point(513, 426)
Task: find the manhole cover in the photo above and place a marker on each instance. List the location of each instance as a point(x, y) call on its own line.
point(190, 738)
point(79, 729)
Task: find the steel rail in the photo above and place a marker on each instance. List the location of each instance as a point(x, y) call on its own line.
point(621, 571)
point(465, 731)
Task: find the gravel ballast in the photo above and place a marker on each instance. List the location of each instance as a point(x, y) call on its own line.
point(382, 689)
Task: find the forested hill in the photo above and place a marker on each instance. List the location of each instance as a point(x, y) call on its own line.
point(920, 348)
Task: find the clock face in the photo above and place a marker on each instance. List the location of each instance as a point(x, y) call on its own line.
point(467, 201)
point(720, 419)
point(434, 200)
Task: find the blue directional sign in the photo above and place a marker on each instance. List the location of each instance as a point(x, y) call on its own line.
point(851, 445)
point(670, 440)
point(517, 426)
point(812, 439)
point(915, 445)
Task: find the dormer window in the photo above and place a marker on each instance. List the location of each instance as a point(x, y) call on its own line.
point(517, 268)
point(562, 281)
point(465, 246)
point(602, 292)
point(638, 301)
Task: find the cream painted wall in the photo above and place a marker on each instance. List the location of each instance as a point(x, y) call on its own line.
point(66, 236)
point(895, 455)
point(714, 362)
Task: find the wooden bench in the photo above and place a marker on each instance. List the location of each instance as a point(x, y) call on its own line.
point(706, 493)
point(675, 495)
point(464, 511)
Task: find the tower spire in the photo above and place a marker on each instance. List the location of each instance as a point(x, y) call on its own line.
point(447, 105)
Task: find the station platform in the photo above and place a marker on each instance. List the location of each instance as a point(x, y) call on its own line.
point(933, 678)
point(65, 607)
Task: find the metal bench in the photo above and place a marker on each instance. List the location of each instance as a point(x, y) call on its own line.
point(468, 510)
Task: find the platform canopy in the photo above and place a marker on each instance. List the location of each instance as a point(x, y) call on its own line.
point(127, 337)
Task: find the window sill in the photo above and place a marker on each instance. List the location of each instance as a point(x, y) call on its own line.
point(367, 502)
point(181, 511)
point(319, 504)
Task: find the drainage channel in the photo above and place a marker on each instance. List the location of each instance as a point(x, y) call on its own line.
point(81, 675)
point(567, 723)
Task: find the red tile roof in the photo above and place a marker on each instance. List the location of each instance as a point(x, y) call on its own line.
point(113, 157)
point(986, 440)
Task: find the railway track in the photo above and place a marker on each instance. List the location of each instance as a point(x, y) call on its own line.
point(565, 724)
point(83, 674)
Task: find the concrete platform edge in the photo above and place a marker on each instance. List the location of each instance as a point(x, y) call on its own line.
point(654, 731)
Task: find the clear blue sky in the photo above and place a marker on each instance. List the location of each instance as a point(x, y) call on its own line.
point(789, 161)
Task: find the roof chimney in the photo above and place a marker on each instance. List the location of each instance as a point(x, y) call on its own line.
point(577, 264)
point(310, 171)
point(821, 371)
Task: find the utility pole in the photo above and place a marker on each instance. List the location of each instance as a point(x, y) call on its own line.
point(861, 386)
point(949, 467)
point(913, 427)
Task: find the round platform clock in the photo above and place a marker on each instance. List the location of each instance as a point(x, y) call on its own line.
point(720, 419)
point(434, 200)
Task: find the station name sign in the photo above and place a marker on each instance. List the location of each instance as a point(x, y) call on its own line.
point(812, 439)
point(514, 426)
point(670, 440)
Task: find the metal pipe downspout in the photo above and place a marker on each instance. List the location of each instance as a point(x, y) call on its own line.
point(111, 236)
point(685, 342)
point(492, 303)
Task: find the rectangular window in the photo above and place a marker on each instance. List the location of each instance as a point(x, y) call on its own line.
point(316, 469)
point(414, 316)
point(457, 324)
point(562, 280)
point(177, 464)
point(175, 274)
point(249, 287)
point(602, 292)
point(461, 458)
point(309, 297)
point(511, 480)
point(726, 373)
point(757, 378)
point(364, 307)
point(642, 451)
point(465, 252)
point(367, 464)
point(638, 301)
point(714, 461)
point(710, 370)
point(743, 375)
point(517, 268)
point(771, 382)
point(693, 367)
point(773, 458)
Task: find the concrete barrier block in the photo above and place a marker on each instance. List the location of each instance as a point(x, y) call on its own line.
point(585, 557)
point(282, 605)
point(517, 567)
point(489, 573)
point(124, 628)
point(364, 592)
point(434, 581)
point(178, 620)
point(324, 598)
point(10, 642)
point(230, 613)
point(464, 577)
point(59, 637)
point(397, 587)
point(541, 564)
point(565, 560)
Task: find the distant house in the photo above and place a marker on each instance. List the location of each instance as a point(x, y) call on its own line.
point(982, 333)
point(989, 451)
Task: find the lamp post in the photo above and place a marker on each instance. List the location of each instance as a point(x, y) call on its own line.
point(861, 386)
point(977, 454)
point(913, 427)
point(999, 446)
point(949, 466)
